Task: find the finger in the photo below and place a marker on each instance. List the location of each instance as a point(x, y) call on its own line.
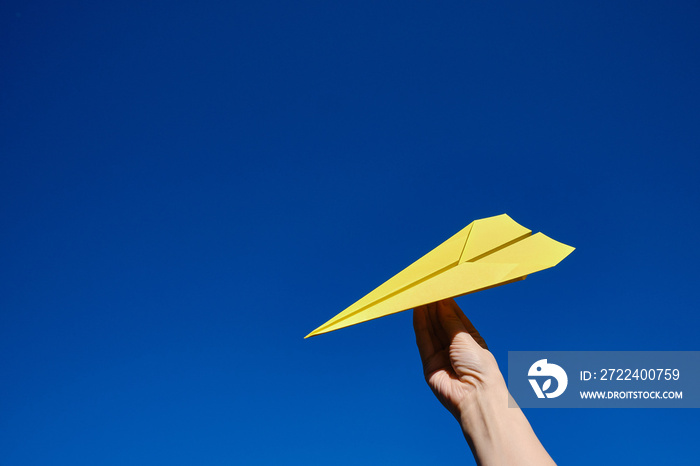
point(424, 340)
point(468, 324)
point(453, 325)
point(450, 322)
point(440, 362)
point(440, 338)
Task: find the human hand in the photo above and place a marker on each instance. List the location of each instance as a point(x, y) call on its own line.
point(456, 360)
point(465, 377)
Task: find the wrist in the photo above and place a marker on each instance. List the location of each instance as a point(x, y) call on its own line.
point(483, 413)
point(497, 433)
point(486, 402)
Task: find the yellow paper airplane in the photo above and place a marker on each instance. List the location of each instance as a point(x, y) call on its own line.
point(486, 253)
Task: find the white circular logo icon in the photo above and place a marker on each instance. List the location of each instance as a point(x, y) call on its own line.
point(546, 372)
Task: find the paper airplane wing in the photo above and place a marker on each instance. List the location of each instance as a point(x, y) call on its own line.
point(486, 253)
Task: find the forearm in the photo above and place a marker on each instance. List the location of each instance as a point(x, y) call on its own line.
point(497, 434)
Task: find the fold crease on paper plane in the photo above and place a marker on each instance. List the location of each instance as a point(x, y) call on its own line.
point(486, 253)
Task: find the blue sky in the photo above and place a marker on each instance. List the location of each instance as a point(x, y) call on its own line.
point(187, 189)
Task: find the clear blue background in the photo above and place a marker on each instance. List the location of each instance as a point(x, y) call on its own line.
point(189, 188)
